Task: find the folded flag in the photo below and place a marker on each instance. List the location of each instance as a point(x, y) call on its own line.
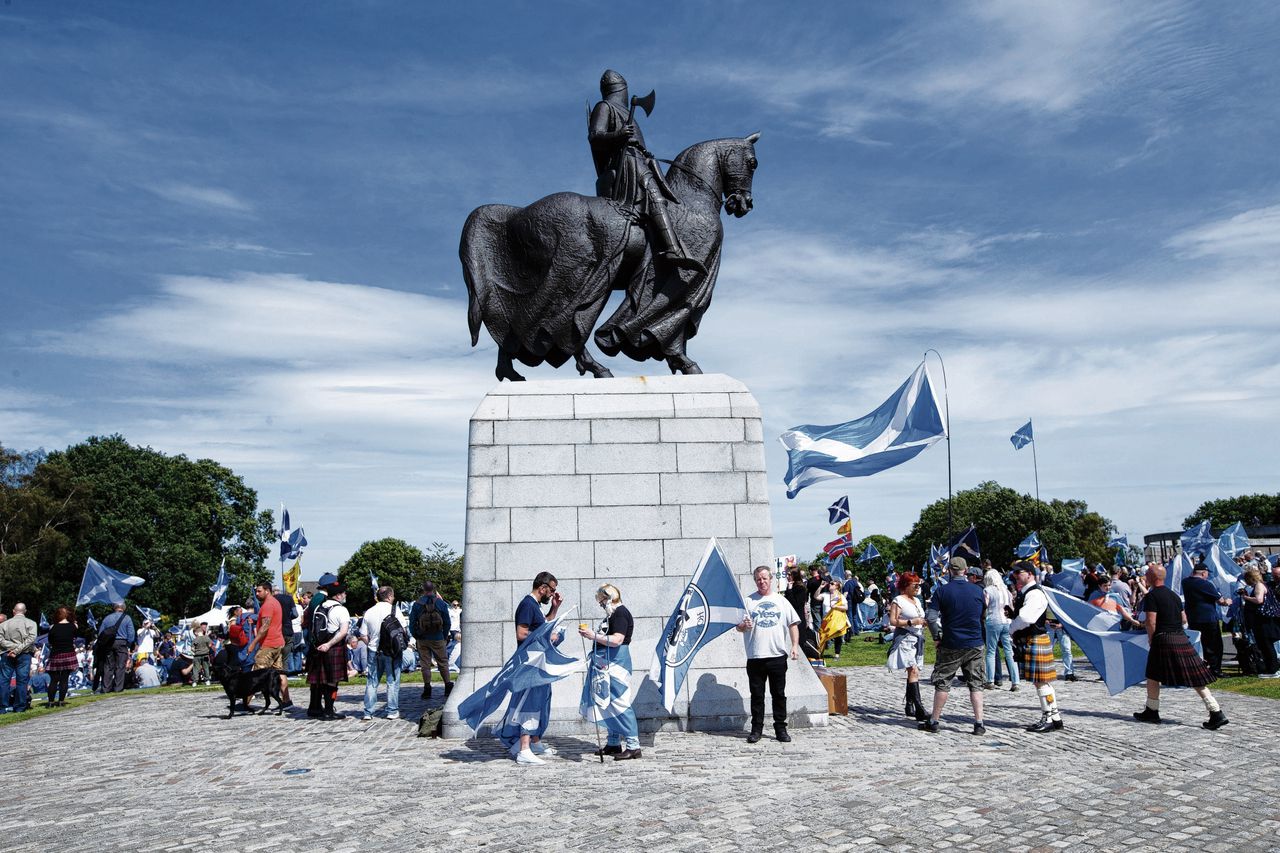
point(1029, 547)
point(535, 661)
point(838, 510)
point(868, 554)
point(1120, 657)
point(903, 425)
point(1233, 540)
point(102, 585)
point(1022, 437)
point(710, 605)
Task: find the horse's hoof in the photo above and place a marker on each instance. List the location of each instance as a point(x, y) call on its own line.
point(604, 373)
point(690, 369)
point(509, 375)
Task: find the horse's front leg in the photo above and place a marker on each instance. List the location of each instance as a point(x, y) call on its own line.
point(583, 359)
point(679, 362)
point(505, 369)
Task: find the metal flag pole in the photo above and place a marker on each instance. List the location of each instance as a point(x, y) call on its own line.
point(591, 693)
point(1035, 468)
point(946, 399)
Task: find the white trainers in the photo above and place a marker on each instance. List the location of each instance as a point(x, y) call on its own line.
point(366, 717)
point(527, 757)
point(541, 748)
point(394, 715)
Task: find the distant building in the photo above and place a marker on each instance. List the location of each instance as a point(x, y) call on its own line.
point(1165, 546)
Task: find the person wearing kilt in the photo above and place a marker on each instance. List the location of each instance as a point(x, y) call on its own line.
point(327, 659)
point(63, 659)
point(1172, 660)
point(1029, 612)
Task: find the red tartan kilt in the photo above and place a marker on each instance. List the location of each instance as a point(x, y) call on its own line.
point(1173, 662)
point(1036, 665)
point(327, 667)
point(65, 662)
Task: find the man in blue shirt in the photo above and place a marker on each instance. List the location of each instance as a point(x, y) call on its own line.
point(1202, 599)
point(854, 596)
point(430, 623)
point(961, 608)
point(120, 627)
point(529, 711)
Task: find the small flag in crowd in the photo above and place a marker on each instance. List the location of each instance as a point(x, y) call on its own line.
point(1233, 540)
point(93, 622)
point(710, 605)
point(868, 554)
point(838, 510)
point(903, 425)
point(290, 578)
point(839, 547)
point(1118, 543)
point(1022, 437)
point(373, 580)
point(153, 615)
point(102, 585)
point(219, 588)
point(1196, 540)
point(835, 567)
point(44, 621)
point(1029, 547)
point(536, 661)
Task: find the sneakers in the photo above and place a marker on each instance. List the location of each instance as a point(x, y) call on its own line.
point(930, 726)
point(1216, 720)
point(979, 729)
point(366, 717)
point(628, 755)
point(1146, 715)
point(755, 736)
point(527, 757)
point(393, 715)
point(540, 748)
point(611, 749)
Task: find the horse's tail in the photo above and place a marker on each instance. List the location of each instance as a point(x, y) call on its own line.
point(475, 245)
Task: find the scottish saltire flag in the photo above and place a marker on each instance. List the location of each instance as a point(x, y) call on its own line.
point(1120, 657)
point(965, 545)
point(868, 554)
point(153, 615)
point(1233, 540)
point(607, 694)
point(1177, 569)
point(1029, 547)
point(1196, 540)
point(1073, 583)
point(710, 605)
point(838, 510)
point(835, 567)
point(44, 622)
point(536, 661)
point(101, 585)
point(1222, 574)
point(839, 547)
point(93, 622)
point(845, 529)
point(284, 521)
point(1118, 542)
point(1022, 437)
point(891, 580)
point(291, 548)
point(1042, 556)
point(937, 557)
point(219, 588)
point(373, 579)
point(903, 425)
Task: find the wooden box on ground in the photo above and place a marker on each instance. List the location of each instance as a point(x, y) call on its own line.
point(837, 689)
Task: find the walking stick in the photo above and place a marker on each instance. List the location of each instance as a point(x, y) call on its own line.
point(592, 694)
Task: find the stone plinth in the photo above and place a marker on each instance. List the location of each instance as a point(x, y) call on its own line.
point(624, 481)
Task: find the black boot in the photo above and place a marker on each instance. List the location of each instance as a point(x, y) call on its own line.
point(1216, 720)
point(315, 709)
point(910, 709)
point(921, 713)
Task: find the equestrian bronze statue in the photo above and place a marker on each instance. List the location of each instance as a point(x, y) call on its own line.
point(538, 277)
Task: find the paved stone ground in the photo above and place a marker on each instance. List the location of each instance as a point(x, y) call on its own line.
point(168, 772)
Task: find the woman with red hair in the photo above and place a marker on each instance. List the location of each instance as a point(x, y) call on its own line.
point(906, 617)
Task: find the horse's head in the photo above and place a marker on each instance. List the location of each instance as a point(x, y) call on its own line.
point(737, 166)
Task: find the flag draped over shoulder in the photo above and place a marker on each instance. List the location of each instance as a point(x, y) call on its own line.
point(1022, 437)
point(536, 661)
point(838, 511)
point(102, 585)
point(710, 605)
point(1119, 656)
point(607, 693)
point(903, 425)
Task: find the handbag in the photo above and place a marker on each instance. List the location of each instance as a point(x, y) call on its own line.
point(1270, 607)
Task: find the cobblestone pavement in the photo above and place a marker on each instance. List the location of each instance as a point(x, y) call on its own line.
point(169, 772)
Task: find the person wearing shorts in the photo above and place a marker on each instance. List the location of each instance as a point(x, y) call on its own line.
point(269, 638)
point(958, 609)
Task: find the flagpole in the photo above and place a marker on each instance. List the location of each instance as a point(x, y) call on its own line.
point(946, 400)
point(1035, 468)
point(592, 694)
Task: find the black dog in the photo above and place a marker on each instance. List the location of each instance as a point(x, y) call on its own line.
point(240, 685)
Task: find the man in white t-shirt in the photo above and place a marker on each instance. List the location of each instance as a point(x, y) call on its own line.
point(770, 622)
point(381, 661)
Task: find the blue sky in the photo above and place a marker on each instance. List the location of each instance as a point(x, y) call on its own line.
point(231, 231)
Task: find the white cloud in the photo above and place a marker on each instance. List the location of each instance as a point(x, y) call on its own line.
point(207, 198)
point(1253, 234)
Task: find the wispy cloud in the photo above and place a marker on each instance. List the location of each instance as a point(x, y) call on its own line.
point(208, 198)
point(1250, 235)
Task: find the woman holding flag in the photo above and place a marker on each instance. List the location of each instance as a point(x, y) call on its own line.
point(836, 622)
point(607, 693)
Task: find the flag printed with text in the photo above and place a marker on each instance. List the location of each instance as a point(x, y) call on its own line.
point(710, 605)
point(898, 430)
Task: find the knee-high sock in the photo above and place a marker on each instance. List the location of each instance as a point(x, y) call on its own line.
point(1048, 702)
point(1210, 704)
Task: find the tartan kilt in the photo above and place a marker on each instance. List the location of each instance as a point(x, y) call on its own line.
point(1035, 663)
point(64, 662)
point(327, 667)
point(1173, 662)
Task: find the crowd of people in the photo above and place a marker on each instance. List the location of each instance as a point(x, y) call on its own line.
point(271, 630)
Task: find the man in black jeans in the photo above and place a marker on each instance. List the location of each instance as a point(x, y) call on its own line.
point(769, 623)
point(1202, 599)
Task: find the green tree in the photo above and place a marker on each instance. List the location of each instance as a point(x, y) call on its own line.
point(444, 568)
point(1249, 510)
point(1003, 518)
point(165, 518)
point(396, 564)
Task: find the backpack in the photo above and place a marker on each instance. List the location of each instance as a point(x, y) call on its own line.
point(432, 723)
point(858, 595)
point(392, 638)
point(320, 633)
point(106, 640)
point(429, 622)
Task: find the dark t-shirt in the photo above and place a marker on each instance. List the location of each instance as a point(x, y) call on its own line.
point(963, 610)
point(529, 613)
point(1165, 603)
point(796, 596)
point(619, 623)
point(62, 638)
point(176, 675)
point(814, 587)
point(1202, 600)
point(288, 611)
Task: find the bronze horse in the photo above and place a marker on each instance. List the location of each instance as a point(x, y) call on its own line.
point(538, 277)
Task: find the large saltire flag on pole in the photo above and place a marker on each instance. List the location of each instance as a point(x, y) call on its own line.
point(1119, 656)
point(868, 554)
point(102, 585)
point(1022, 437)
point(219, 588)
point(710, 605)
point(903, 425)
point(966, 546)
point(536, 661)
point(838, 511)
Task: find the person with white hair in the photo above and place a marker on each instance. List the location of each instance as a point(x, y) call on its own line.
point(998, 641)
point(607, 693)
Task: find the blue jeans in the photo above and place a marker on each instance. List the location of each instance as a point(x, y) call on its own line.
point(381, 665)
point(18, 667)
point(998, 640)
point(1058, 637)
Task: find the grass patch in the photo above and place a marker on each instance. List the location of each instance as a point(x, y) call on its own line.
point(1248, 685)
point(38, 710)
